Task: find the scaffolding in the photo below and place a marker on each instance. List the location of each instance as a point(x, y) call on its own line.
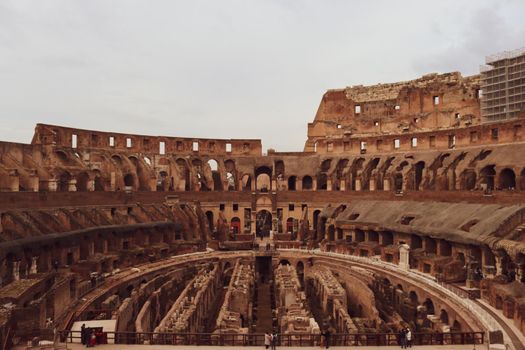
point(503, 85)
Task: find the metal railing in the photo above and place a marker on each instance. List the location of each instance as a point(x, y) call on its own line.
point(228, 339)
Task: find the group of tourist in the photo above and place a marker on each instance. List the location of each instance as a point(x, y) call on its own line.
point(270, 339)
point(405, 338)
point(88, 336)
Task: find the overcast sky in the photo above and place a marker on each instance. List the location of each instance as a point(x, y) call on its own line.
point(226, 69)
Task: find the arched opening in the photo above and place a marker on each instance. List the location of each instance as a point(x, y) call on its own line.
point(263, 179)
point(291, 183)
point(307, 182)
point(284, 262)
point(429, 306)
point(468, 180)
point(418, 175)
point(443, 316)
point(413, 298)
point(231, 175)
point(507, 179)
point(322, 182)
point(246, 182)
point(235, 226)
point(263, 223)
point(487, 175)
point(209, 216)
point(129, 180)
point(214, 166)
point(289, 225)
point(63, 182)
point(217, 182)
point(99, 184)
point(398, 182)
point(162, 181)
point(82, 182)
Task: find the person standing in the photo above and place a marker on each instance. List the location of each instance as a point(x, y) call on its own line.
point(267, 340)
point(409, 337)
point(327, 338)
point(274, 340)
point(402, 338)
point(83, 334)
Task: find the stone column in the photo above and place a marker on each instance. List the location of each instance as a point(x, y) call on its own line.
point(372, 184)
point(499, 264)
point(33, 269)
point(404, 256)
point(72, 185)
point(358, 184)
point(16, 270)
point(342, 185)
point(329, 185)
point(386, 185)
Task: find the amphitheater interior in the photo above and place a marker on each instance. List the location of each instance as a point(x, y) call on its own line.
point(405, 209)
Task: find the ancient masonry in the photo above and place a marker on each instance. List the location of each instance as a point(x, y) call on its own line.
point(405, 209)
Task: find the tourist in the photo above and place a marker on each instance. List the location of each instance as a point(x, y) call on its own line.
point(83, 334)
point(402, 338)
point(409, 338)
point(267, 340)
point(274, 340)
point(327, 338)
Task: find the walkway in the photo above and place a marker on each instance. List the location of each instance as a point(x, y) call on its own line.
point(264, 308)
point(167, 347)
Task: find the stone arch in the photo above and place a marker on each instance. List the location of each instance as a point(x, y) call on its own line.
point(162, 181)
point(398, 182)
point(289, 225)
point(322, 182)
point(307, 182)
point(443, 316)
point(63, 181)
point(468, 180)
point(263, 179)
point(418, 174)
point(487, 175)
point(129, 180)
point(507, 179)
point(82, 182)
point(235, 225)
point(429, 305)
point(263, 223)
point(413, 297)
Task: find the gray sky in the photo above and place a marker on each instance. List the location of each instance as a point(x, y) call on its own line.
point(226, 69)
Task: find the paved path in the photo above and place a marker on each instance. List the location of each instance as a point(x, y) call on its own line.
point(167, 347)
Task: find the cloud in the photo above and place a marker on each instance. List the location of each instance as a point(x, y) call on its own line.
point(228, 69)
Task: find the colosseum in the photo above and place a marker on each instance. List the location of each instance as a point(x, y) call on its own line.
point(406, 209)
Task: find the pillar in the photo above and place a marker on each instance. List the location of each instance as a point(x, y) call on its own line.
point(499, 265)
point(404, 256)
point(329, 184)
point(372, 184)
point(72, 185)
point(386, 185)
point(33, 269)
point(16, 270)
point(358, 184)
point(342, 185)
